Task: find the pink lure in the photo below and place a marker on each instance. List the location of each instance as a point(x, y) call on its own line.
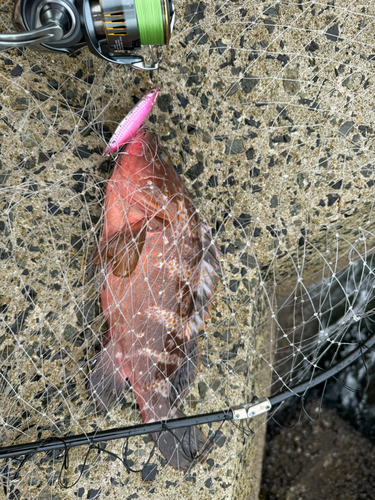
point(132, 121)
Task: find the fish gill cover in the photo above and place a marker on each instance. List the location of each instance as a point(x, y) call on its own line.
point(266, 111)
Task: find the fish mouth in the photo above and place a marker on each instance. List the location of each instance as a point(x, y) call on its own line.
point(141, 135)
point(143, 143)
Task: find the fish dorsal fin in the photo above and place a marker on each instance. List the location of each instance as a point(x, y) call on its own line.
point(122, 249)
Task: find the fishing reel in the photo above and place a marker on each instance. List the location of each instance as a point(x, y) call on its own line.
point(110, 28)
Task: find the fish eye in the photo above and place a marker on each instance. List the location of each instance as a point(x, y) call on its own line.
point(163, 154)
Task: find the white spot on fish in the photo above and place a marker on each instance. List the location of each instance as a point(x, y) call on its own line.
point(169, 318)
point(164, 357)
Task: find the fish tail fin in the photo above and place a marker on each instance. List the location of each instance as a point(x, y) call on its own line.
point(106, 381)
point(182, 447)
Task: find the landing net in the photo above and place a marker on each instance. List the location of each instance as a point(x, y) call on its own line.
point(267, 111)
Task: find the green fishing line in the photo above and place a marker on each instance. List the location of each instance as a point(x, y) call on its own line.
point(150, 21)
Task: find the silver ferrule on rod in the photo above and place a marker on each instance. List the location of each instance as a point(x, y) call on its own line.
point(251, 410)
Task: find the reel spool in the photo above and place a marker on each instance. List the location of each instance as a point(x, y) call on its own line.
point(110, 28)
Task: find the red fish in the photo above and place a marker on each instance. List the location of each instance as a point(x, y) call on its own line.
point(158, 265)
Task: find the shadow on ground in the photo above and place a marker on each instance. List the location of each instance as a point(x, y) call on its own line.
point(326, 458)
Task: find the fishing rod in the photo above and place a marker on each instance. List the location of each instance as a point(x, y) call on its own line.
point(245, 411)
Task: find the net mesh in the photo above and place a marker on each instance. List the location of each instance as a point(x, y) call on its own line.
point(266, 110)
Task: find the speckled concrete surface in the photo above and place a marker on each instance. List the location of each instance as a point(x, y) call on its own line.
point(267, 112)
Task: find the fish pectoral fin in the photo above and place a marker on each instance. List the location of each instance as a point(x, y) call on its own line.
point(122, 249)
